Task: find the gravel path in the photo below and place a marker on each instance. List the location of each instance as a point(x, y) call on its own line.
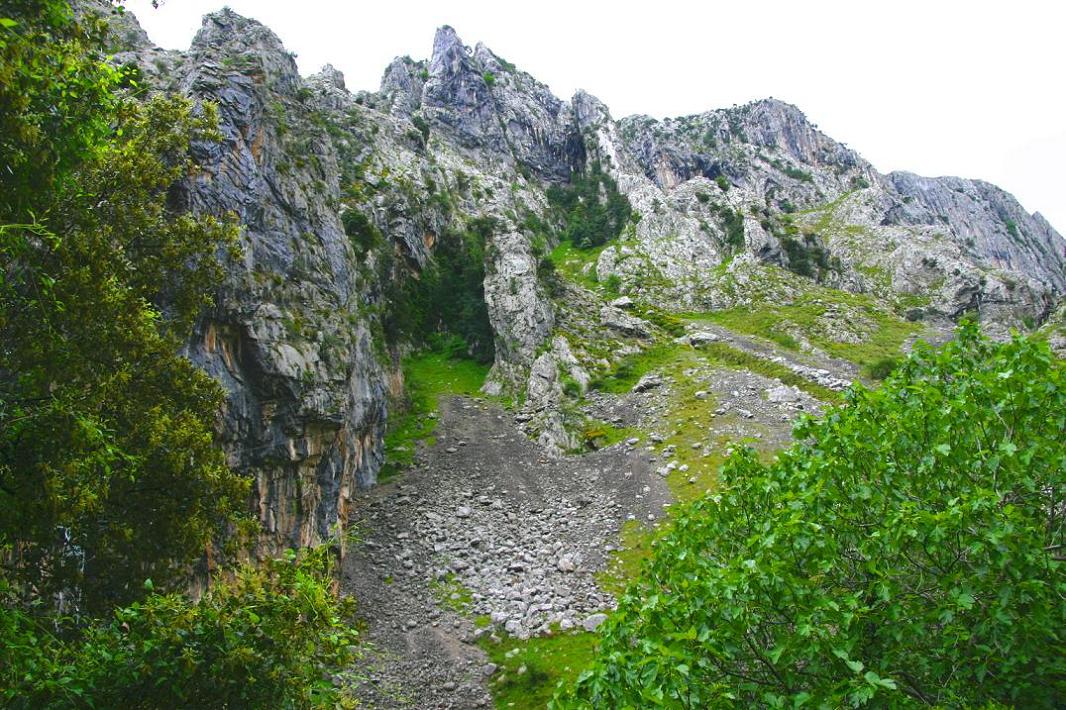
point(485, 509)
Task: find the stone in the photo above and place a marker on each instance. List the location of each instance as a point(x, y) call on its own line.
point(782, 394)
point(648, 382)
point(593, 621)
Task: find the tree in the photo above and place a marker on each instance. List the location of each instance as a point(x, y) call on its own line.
point(907, 551)
point(56, 97)
point(109, 471)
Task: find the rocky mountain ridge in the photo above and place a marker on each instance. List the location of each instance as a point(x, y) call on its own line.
point(345, 198)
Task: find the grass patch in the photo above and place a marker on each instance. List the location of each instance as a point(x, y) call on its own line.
point(629, 369)
point(428, 377)
point(571, 262)
point(546, 661)
point(768, 321)
point(727, 356)
point(452, 593)
point(597, 434)
point(624, 563)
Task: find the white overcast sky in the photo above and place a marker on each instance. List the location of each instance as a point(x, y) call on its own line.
point(937, 87)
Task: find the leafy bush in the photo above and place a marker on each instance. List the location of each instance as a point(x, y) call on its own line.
point(797, 174)
point(422, 126)
point(361, 232)
point(109, 470)
point(882, 368)
point(909, 551)
point(1012, 227)
point(591, 208)
point(571, 387)
point(806, 256)
point(489, 78)
point(270, 638)
point(723, 183)
point(733, 224)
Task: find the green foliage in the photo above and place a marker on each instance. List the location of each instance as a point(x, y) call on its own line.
point(489, 78)
point(1012, 227)
point(908, 552)
point(629, 369)
point(110, 474)
point(881, 368)
point(269, 638)
point(362, 233)
point(106, 432)
point(56, 98)
point(422, 126)
point(733, 222)
point(571, 387)
point(806, 256)
point(591, 209)
point(448, 297)
point(723, 183)
point(797, 174)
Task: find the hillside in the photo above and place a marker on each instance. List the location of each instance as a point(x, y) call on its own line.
point(501, 335)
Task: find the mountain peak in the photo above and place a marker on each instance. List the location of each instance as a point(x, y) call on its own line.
point(448, 51)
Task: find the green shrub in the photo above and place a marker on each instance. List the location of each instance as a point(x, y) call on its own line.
point(489, 78)
point(270, 638)
point(907, 552)
point(797, 174)
point(591, 208)
point(448, 297)
point(723, 183)
point(422, 126)
point(571, 388)
point(880, 369)
point(362, 233)
point(733, 222)
point(806, 256)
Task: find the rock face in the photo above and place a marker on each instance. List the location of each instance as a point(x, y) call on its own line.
point(307, 395)
point(345, 196)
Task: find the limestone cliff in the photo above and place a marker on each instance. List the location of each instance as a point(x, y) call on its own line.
point(345, 197)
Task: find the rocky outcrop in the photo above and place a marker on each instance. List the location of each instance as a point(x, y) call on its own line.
point(522, 316)
point(307, 404)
